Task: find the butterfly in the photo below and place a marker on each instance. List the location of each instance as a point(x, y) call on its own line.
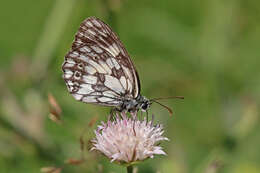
point(98, 69)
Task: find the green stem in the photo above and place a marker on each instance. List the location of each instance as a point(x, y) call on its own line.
point(129, 169)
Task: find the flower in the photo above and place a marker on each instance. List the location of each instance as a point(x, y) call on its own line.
point(128, 140)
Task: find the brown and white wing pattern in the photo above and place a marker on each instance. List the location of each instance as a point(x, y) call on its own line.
point(98, 68)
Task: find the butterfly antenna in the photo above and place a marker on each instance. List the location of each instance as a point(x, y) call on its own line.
point(166, 107)
point(173, 97)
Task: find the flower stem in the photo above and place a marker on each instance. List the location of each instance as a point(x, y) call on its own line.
point(129, 169)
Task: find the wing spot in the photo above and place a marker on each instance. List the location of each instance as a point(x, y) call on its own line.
point(80, 66)
point(73, 86)
point(77, 75)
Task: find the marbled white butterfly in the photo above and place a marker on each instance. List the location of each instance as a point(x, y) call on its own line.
point(99, 70)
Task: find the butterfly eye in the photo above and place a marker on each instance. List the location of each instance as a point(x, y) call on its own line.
point(80, 65)
point(77, 75)
point(75, 87)
point(144, 106)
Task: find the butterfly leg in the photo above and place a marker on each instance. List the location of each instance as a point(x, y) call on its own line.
point(146, 117)
point(113, 114)
point(141, 115)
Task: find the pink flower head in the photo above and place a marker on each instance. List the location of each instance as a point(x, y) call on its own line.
point(128, 140)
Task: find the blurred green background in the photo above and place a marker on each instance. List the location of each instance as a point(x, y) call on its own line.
point(207, 51)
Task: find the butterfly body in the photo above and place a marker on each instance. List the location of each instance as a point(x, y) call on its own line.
point(132, 105)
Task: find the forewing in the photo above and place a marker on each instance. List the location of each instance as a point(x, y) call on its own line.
point(98, 69)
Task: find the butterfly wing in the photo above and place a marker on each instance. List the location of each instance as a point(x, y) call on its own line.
point(98, 68)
